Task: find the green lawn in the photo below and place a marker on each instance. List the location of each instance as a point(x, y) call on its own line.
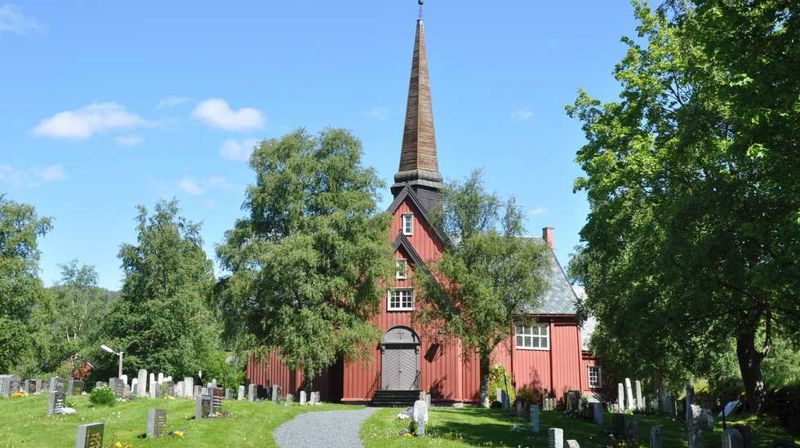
point(482, 427)
point(24, 423)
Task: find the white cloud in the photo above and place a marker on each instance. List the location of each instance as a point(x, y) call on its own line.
point(172, 101)
point(13, 20)
point(196, 187)
point(538, 211)
point(237, 150)
point(521, 114)
point(88, 120)
point(215, 112)
point(377, 113)
point(31, 177)
point(129, 140)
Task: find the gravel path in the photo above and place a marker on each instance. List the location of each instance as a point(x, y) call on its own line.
point(330, 429)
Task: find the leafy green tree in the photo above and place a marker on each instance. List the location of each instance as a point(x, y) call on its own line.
point(488, 279)
point(306, 265)
point(162, 320)
point(694, 232)
point(21, 290)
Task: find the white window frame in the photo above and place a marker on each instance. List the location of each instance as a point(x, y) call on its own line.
point(599, 383)
point(407, 223)
point(398, 273)
point(532, 337)
point(400, 305)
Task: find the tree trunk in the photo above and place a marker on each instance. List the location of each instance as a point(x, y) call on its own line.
point(750, 367)
point(484, 371)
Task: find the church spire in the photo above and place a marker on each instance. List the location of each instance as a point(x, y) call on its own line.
point(419, 167)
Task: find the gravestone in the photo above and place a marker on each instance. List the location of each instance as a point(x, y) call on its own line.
point(240, 395)
point(90, 436)
point(202, 407)
point(56, 384)
point(302, 398)
point(39, 386)
point(135, 387)
point(747, 435)
point(251, 392)
point(420, 416)
point(629, 395)
point(117, 386)
point(315, 398)
point(276, 393)
point(688, 402)
point(167, 389)
point(555, 438)
point(100, 384)
point(55, 402)
point(655, 437)
point(573, 444)
point(669, 406)
point(498, 395)
point(74, 387)
point(535, 418)
point(699, 421)
point(141, 381)
point(31, 387)
point(632, 435)
point(620, 397)
point(5, 386)
point(217, 396)
point(197, 391)
point(618, 426)
point(188, 387)
point(229, 394)
point(505, 399)
point(597, 413)
point(732, 438)
point(289, 398)
point(262, 393)
point(180, 389)
point(160, 377)
point(152, 386)
point(640, 405)
point(156, 422)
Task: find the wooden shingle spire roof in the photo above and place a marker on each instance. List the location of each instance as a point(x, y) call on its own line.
point(419, 166)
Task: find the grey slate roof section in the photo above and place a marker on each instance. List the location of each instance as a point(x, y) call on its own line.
point(559, 298)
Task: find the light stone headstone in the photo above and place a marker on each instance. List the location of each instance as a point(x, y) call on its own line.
point(160, 377)
point(152, 386)
point(700, 421)
point(135, 387)
point(180, 390)
point(732, 438)
point(629, 395)
point(202, 406)
point(142, 382)
point(420, 416)
point(597, 413)
point(555, 438)
point(620, 397)
point(188, 387)
point(240, 395)
point(251, 392)
point(124, 379)
point(198, 390)
point(535, 418)
point(289, 398)
point(655, 437)
point(74, 387)
point(229, 394)
point(55, 402)
point(156, 422)
point(90, 436)
point(639, 402)
point(573, 444)
point(276, 393)
point(499, 395)
point(5, 386)
point(505, 400)
point(302, 398)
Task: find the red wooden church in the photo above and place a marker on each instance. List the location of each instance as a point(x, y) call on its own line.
point(546, 357)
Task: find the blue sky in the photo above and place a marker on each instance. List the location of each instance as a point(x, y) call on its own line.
point(106, 105)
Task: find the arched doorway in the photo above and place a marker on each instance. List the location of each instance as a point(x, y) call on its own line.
point(400, 359)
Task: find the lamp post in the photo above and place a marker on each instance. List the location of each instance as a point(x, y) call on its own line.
point(110, 350)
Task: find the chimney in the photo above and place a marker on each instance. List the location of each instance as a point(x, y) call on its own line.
point(549, 237)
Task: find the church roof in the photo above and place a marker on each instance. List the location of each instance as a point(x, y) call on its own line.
point(418, 160)
point(559, 298)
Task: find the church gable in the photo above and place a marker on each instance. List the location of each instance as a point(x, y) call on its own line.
point(410, 223)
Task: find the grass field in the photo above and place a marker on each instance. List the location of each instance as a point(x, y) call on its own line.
point(24, 423)
point(481, 427)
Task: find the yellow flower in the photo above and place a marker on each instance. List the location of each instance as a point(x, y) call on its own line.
point(178, 434)
point(117, 445)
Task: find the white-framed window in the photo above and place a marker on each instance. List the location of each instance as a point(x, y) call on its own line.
point(408, 224)
point(401, 299)
point(401, 269)
point(595, 377)
point(536, 337)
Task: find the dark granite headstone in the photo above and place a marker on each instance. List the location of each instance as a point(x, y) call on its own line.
point(618, 426)
point(55, 402)
point(217, 396)
point(90, 436)
point(261, 392)
point(117, 385)
point(202, 408)
point(156, 422)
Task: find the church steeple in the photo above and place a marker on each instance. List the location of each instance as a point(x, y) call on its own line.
point(419, 167)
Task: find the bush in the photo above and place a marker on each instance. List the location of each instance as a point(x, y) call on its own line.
point(784, 404)
point(498, 379)
point(102, 396)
